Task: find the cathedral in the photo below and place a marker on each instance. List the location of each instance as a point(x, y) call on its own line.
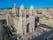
point(22, 19)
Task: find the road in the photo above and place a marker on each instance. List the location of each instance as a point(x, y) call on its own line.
point(0, 32)
point(44, 36)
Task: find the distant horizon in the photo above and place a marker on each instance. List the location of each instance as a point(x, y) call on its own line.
point(27, 8)
point(26, 3)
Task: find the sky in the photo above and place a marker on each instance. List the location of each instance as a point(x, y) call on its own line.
point(26, 3)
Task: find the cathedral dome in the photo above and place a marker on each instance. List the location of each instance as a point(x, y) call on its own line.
point(21, 8)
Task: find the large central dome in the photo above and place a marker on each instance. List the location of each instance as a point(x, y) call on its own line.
point(22, 7)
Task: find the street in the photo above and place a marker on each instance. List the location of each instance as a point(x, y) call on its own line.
point(44, 36)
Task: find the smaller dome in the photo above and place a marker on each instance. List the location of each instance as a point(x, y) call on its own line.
point(14, 9)
point(31, 7)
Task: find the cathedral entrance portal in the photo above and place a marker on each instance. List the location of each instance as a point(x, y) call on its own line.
point(27, 30)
